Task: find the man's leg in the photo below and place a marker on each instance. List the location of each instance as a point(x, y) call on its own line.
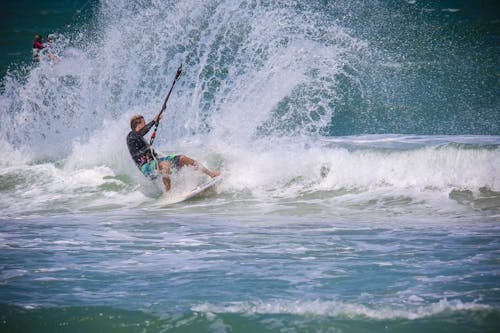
point(184, 160)
point(165, 174)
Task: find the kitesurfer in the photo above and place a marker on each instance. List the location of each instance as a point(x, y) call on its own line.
point(149, 161)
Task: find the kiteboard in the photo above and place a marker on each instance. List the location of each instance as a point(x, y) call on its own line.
point(198, 190)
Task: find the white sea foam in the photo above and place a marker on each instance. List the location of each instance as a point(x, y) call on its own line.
point(341, 309)
point(11, 156)
point(8, 274)
point(287, 170)
point(322, 175)
point(50, 269)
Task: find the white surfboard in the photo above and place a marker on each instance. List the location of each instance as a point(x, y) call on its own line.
point(198, 190)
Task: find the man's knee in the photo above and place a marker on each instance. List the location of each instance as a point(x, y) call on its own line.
point(165, 167)
point(185, 160)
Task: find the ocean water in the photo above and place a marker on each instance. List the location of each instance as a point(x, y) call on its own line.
point(360, 146)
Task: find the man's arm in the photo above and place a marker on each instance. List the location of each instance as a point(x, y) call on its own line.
point(146, 128)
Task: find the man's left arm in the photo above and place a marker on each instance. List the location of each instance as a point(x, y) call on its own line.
point(146, 128)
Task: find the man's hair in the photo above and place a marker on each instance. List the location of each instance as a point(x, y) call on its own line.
point(135, 120)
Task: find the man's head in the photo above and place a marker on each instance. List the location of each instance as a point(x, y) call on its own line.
point(135, 121)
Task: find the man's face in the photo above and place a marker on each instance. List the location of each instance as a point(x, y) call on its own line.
point(140, 125)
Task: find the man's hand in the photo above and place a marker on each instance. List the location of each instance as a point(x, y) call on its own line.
point(158, 117)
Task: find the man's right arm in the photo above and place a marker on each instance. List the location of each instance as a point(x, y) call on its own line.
point(146, 128)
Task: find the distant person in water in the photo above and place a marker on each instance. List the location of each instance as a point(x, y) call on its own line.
point(43, 49)
point(37, 46)
point(147, 159)
point(48, 45)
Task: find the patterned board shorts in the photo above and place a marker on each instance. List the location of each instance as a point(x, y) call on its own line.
point(150, 170)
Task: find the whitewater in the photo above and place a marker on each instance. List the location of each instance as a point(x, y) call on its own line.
point(361, 186)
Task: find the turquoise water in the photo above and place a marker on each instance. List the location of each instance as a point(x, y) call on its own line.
point(171, 271)
point(360, 146)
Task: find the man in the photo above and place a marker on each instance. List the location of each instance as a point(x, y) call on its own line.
point(37, 46)
point(147, 159)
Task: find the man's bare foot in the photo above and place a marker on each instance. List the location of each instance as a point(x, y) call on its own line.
point(214, 173)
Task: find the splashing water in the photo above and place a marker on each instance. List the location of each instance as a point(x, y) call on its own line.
point(360, 152)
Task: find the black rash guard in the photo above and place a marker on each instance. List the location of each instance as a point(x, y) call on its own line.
point(137, 145)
